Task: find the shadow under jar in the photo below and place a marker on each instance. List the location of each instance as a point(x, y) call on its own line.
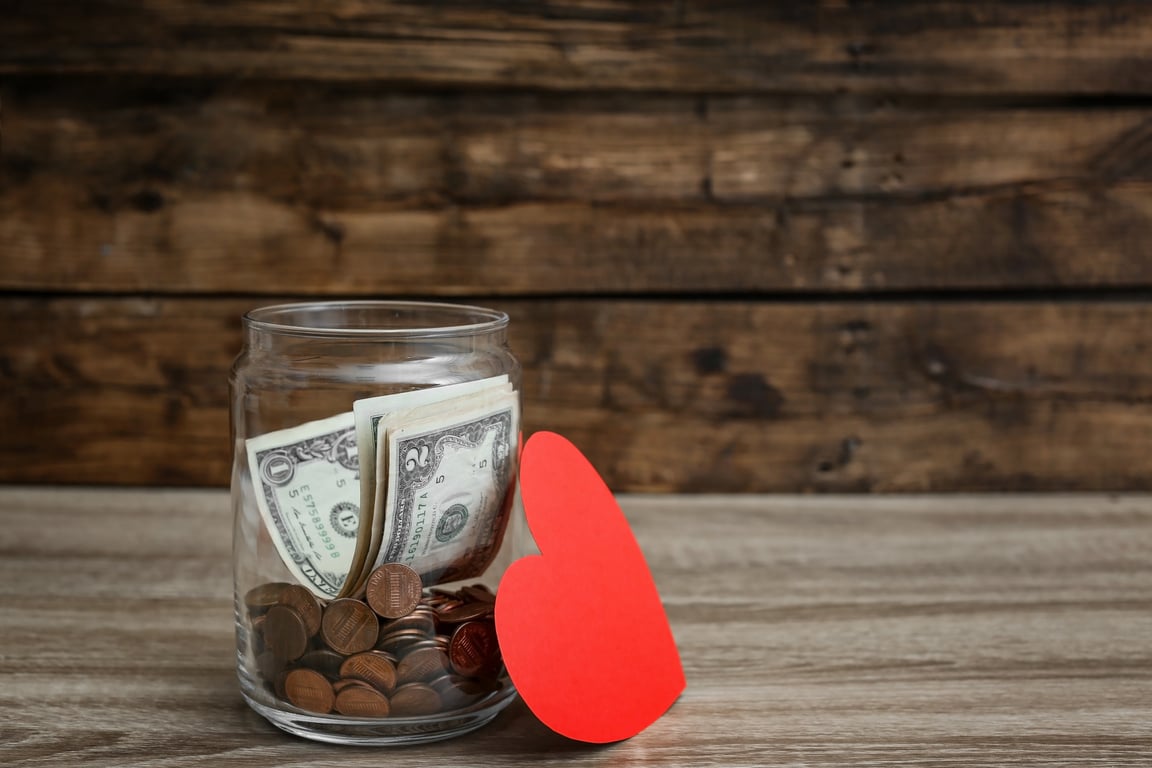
point(373, 490)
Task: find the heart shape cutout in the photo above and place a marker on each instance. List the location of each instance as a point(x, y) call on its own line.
point(581, 626)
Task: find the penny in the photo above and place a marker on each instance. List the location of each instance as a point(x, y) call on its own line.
point(425, 624)
point(426, 642)
point(446, 605)
point(310, 690)
point(362, 701)
point(421, 665)
point(478, 593)
point(393, 590)
point(398, 641)
point(450, 695)
point(415, 699)
point(278, 685)
point(457, 691)
point(349, 626)
point(284, 633)
point(269, 665)
point(477, 686)
point(422, 614)
point(256, 636)
point(347, 682)
point(261, 598)
point(467, 612)
point(324, 661)
point(304, 603)
point(474, 649)
point(372, 667)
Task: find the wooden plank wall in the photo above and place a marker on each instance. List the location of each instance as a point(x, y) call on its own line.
point(746, 246)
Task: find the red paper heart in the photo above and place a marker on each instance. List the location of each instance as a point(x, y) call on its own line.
point(581, 628)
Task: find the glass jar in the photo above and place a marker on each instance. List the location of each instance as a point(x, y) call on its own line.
point(375, 446)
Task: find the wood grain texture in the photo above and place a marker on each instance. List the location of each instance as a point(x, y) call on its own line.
point(978, 47)
point(128, 187)
point(869, 631)
point(662, 394)
point(721, 227)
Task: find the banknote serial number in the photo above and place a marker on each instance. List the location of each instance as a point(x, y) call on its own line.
point(303, 493)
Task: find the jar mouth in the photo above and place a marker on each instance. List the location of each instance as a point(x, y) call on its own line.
point(375, 319)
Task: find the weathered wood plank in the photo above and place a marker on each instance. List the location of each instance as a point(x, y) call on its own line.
point(979, 47)
point(1055, 236)
point(332, 149)
point(970, 631)
point(892, 396)
point(120, 189)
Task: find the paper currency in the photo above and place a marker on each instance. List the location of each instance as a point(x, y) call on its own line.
point(446, 499)
point(392, 409)
point(370, 410)
point(307, 482)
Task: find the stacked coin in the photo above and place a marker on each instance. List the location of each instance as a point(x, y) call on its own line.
point(400, 651)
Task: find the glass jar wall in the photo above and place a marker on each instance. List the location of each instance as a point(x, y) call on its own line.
point(374, 463)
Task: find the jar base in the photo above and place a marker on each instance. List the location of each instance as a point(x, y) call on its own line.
point(397, 731)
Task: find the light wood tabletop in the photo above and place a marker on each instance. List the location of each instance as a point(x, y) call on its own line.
point(814, 631)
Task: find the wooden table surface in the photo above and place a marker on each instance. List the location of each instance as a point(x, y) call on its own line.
point(862, 631)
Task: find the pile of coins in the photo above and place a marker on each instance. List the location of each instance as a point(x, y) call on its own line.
point(399, 652)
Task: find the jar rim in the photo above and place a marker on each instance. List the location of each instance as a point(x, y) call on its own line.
point(375, 318)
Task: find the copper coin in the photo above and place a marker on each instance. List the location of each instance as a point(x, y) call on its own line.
point(441, 682)
point(349, 626)
point(345, 682)
point(446, 605)
point(284, 633)
point(324, 661)
point(256, 636)
point(456, 691)
point(479, 593)
point(426, 642)
point(278, 685)
point(467, 612)
point(398, 641)
point(304, 603)
point(477, 686)
point(474, 649)
point(310, 690)
point(418, 621)
point(362, 701)
point(393, 590)
point(261, 598)
point(415, 699)
point(450, 695)
point(269, 665)
point(372, 667)
point(424, 613)
point(422, 664)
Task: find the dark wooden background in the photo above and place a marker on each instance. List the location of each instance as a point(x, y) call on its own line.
point(746, 246)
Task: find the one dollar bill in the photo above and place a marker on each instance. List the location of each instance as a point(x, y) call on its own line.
point(307, 483)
